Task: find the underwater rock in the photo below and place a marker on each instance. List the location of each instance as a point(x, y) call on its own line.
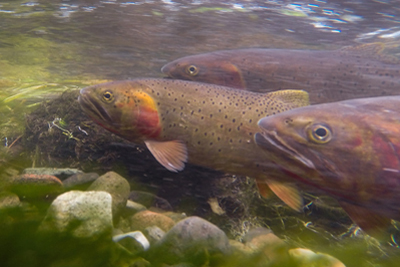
point(135, 242)
point(35, 185)
point(263, 240)
point(141, 220)
point(176, 217)
point(9, 200)
point(80, 181)
point(61, 173)
point(192, 239)
point(83, 214)
point(132, 208)
point(154, 234)
point(306, 258)
point(149, 200)
point(117, 186)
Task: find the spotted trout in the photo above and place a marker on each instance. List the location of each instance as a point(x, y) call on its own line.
point(204, 124)
point(327, 75)
point(349, 150)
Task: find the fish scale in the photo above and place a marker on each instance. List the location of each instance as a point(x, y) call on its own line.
point(204, 124)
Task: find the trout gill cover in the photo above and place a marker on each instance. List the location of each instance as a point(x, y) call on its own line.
point(348, 149)
point(204, 124)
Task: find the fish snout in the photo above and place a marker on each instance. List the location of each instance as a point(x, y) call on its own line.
point(166, 68)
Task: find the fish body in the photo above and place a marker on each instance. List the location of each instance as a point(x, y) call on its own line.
point(179, 121)
point(327, 75)
point(348, 149)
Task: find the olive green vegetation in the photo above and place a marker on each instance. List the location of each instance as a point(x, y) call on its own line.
point(26, 79)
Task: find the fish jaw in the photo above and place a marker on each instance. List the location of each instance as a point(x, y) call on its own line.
point(93, 108)
point(270, 140)
point(130, 112)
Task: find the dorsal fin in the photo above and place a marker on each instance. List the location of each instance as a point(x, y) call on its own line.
point(171, 154)
point(292, 98)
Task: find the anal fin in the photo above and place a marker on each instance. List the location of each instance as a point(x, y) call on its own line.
point(171, 154)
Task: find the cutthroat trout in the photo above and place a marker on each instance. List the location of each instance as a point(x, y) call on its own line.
point(348, 149)
point(328, 76)
point(204, 124)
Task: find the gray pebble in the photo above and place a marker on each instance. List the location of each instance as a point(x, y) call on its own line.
point(80, 181)
point(83, 214)
point(61, 173)
point(192, 239)
point(154, 234)
point(150, 200)
point(117, 186)
point(9, 200)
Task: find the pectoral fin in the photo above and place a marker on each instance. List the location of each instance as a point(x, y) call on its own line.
point(367, 220)
point(288, 193)
point(171, 154)
point(263, 188)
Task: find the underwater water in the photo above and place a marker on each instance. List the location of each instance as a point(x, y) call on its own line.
point(51, 47)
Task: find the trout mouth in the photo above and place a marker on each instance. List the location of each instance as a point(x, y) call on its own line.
point(270, 140)
point(93, 108)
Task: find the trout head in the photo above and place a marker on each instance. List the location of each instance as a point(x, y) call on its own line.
point(208, 68)
point(317, 148)
point(123, 108)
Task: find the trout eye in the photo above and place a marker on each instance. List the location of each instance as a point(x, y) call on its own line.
point(108, 96)
point(192, 70)
point(320, 134)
